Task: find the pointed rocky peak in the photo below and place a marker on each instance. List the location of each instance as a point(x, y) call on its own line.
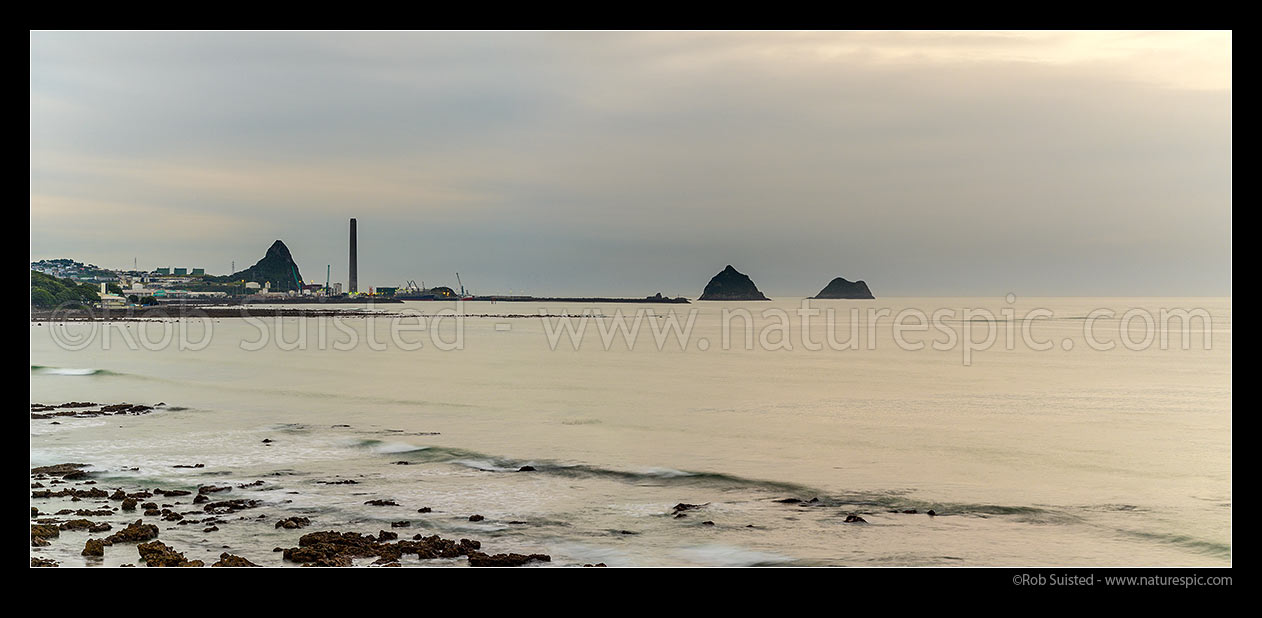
point(277, 267)
point(731, 284)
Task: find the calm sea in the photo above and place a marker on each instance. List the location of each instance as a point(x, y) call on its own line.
point(1078, 454)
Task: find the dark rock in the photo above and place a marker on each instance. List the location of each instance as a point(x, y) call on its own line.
point(383, 536)
point(43, 562)
point(424, 509)
point(707, 523)
point(400, 524)
point(230, 506)
point(291, 523)
point(201, 499)
point(277, 266)
point(910, 511)
point(931, 513)
point(381, 503)
point(479, 559)
point(268, 441)
point(210, 489)
point(135, 532)
point(841, 288)
point(526, 469)
point(855, 519)
point(43, 533)
point(95, 547)
point(340, 548)
point(77, 524)
point(476, 518)
point(598, 564)
point(200, 465)
point(345, 482)
point(788, 500)
point(211, 529)
point(731, 285)
point(159, 554)
point(228, 560)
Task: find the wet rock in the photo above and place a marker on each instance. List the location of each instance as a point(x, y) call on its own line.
point(43, 562)
point(230, 506)
point(95, 547)
point(340, 548)
point(40, 532)
point(684, 506)
point(211, 489)
point(680, 515)
point(598, 564)
point(855, 519)
point(74, 494)
point(292, 523)
point(159, 554)
point(526, 469)
point(910, 511)
point(77, 524)
point(193, 466)
point(931, 513)
point(789, 500)
point(343, 482)
point(382, 503)
point(201, 499)
point(476, 518)
point(149, 505)
point(101, 527)
point(129, 504)
point(400, 524)
point(707, 523)
point(424, 509)
point(245, 485)
point(402, 463)
point(211, 529)
point(171, 493)
point(228, 560)
point(268, 441)
point(152, 513)
point(118, 494)
point(34, 511)
point(383, 536)
point(134, 532)
point(479, 559)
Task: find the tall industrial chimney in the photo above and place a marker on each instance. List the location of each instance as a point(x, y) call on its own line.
point(354, 279)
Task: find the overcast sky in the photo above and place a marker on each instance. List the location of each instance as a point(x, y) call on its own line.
point(926, 163)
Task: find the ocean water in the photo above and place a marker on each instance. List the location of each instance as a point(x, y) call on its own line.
point(1068, 456)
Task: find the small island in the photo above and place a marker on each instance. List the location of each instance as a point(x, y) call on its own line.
point(731, 284)
point(841, 288)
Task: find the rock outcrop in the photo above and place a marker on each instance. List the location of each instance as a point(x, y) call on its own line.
point(731, 284)
point(841, 288)
point(276, 267)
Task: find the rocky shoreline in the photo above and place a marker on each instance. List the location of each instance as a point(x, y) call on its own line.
point(329, 548)
point(68, 500)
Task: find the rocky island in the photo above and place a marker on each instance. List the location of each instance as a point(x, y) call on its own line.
point(841, 288)
point(731, 284)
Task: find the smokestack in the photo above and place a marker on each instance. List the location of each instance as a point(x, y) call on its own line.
point(354, 279)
